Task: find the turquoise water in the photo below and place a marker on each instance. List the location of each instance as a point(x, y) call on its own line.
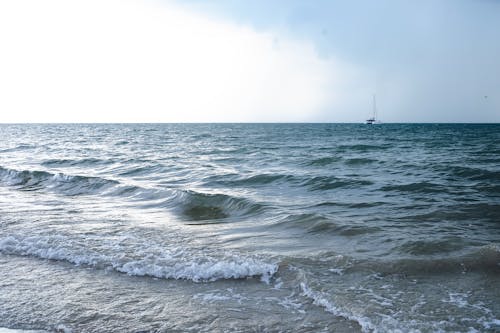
point(250, 227)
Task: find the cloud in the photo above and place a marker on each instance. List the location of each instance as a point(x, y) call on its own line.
point(132, 61)
point(154, 61)
point(429, 60)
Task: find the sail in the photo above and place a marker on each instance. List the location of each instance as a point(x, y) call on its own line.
point(373, 118)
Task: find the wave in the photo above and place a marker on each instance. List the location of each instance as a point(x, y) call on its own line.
point(320, 224)
point(323, 161)
point(431, 247)
point(190, 204)
point(472, 173)
point(311, 222)
point(483, 259)
point(488, 188)
point(205, 206)
point(314, 183)
point(69, 185)
point(362, 147)
point(150, 260)
point(234, 180)
point(143, 170)
point(17, 148)
point(324, 183)
point(220, 151)
point(356, 205)
point(420, 187)
point(466, 212)
point(373, 292)
point(380, 294)
point(76, 162)
point(320, 299)
point(359, 161)
point(197, 206)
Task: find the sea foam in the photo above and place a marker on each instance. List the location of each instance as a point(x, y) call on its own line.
point(178, 263)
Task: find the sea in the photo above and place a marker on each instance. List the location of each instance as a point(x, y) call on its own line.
point(250, 228)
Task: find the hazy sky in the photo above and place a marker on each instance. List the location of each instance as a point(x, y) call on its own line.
point(254, 60)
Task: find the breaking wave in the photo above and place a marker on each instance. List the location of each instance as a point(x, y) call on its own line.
point(152, 260)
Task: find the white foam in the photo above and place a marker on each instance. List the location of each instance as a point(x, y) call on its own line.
point(278, 284)
point(319, 299)
point(338, 271)
point(458, 299)
point(10, 177)
point(148, 260)
point(197, 272)
point(290, 303)
point(490, 323)
point(9, 330)
point(63, 329)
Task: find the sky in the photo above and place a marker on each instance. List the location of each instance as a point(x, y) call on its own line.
point(249, 61)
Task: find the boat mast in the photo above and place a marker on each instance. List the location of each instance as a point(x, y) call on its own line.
point(374, 107)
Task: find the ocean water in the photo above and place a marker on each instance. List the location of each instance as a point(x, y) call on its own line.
point(250, 228)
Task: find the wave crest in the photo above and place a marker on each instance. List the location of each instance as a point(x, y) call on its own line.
point(152, 261)
point(199, 206)
point(67, 184)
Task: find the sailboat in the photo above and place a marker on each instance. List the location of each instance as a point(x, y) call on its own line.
point(373, 119)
